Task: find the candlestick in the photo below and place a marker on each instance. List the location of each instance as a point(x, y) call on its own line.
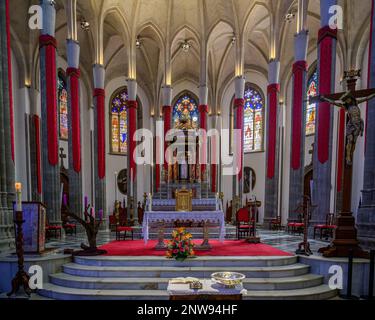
point(131, 182)
point(18, 187)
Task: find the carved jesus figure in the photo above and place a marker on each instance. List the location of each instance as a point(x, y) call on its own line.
point(355, 124)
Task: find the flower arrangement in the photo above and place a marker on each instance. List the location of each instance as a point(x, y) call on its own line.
point(180, 247)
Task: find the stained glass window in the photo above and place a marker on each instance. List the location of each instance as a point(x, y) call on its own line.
point(63, 107)
point(312, 91)
point(185, 112)
point(119, 125)
point(253, 120)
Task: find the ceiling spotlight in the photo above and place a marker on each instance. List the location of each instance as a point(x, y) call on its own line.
point(138, 43)
point(185, 46)
point(85, 25)
point(289, 17)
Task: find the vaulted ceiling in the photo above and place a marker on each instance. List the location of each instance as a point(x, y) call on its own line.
point(163, 25)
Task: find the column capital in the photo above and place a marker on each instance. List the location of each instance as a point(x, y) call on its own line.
point(99, 76)
point(73, 51)
point(301, 40)
point(49, 17)
point(273, 71)
point(132, 89)
point(239, 85)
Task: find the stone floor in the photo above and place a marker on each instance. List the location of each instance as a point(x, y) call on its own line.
point(278, 239)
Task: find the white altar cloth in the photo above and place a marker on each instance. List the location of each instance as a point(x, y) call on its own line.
point(210, 287)
point(172, 216)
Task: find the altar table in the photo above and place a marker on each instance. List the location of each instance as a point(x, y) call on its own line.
point(173, 216)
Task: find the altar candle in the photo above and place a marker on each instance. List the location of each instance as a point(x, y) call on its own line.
point(92, 212)
point(100, 214)
point(86, 202)
point(18, 187)
point(65, 200)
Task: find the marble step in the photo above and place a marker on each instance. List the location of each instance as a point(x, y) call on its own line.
point(263, 284)
point(196, 262)
point(173, 272)
point(322, 292)
point(52, 291)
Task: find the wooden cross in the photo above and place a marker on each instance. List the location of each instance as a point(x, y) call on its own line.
point(360, 96)
point(345, 240)
point(62, 157)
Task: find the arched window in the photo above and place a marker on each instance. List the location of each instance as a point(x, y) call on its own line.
point(185, 112)
point(118, 122)
point(312, 91)
point(253, 119)
point(62, 107)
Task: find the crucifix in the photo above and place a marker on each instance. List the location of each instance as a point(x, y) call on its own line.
point(346, 239)
point(62, 157)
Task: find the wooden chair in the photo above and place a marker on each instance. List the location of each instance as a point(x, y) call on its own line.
point(228, 213)
point(140, 213)
point(112, 223)
point(245, 225)
point(70, 227)
point(125, 230)
point(275, 224)
point(50, 229)
point(295, 225)
point(328, 228)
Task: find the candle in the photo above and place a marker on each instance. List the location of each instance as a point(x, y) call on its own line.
point(92, 212)
point(116, 186)
point(65, 200)
point(86, 202)
point(100, 214)
point(18, 187)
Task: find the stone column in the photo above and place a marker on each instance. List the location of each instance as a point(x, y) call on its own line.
point(74, 114)
point(203, 114)
point(322, 158)
point(49, 121)
point(132, 128)
point(99, 139)
point(167, 117)
point(6, 132)
point(366, 213)
point(272, 151)
point(298, 132)
point(239, 103)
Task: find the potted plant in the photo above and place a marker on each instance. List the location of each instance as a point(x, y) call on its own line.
point(181, 246)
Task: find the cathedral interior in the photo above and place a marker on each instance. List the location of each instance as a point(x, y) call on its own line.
point(243, 123)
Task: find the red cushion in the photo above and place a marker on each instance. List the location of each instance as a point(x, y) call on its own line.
point(243, 226)
point(53, 227)
point(123, 229)
point(325, 226)
point(70, 225)
point(292, 224)
point(299, 225)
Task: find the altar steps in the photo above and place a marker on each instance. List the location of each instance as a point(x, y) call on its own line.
point(146, 278)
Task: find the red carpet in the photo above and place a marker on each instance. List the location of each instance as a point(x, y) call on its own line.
point(227, 248)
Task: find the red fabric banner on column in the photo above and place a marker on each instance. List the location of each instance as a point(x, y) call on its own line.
point(49, 44)
point(10, 82)
point(299, 72)
point(239, 109)
point(99, 94)
point(132, 128)
point(273, 90)
point(37, 152)
point(167, 111)
point(203, 110)
point(327, 36)
point(74, 75)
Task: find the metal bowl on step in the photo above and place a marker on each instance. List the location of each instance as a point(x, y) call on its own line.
point(228, 279)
